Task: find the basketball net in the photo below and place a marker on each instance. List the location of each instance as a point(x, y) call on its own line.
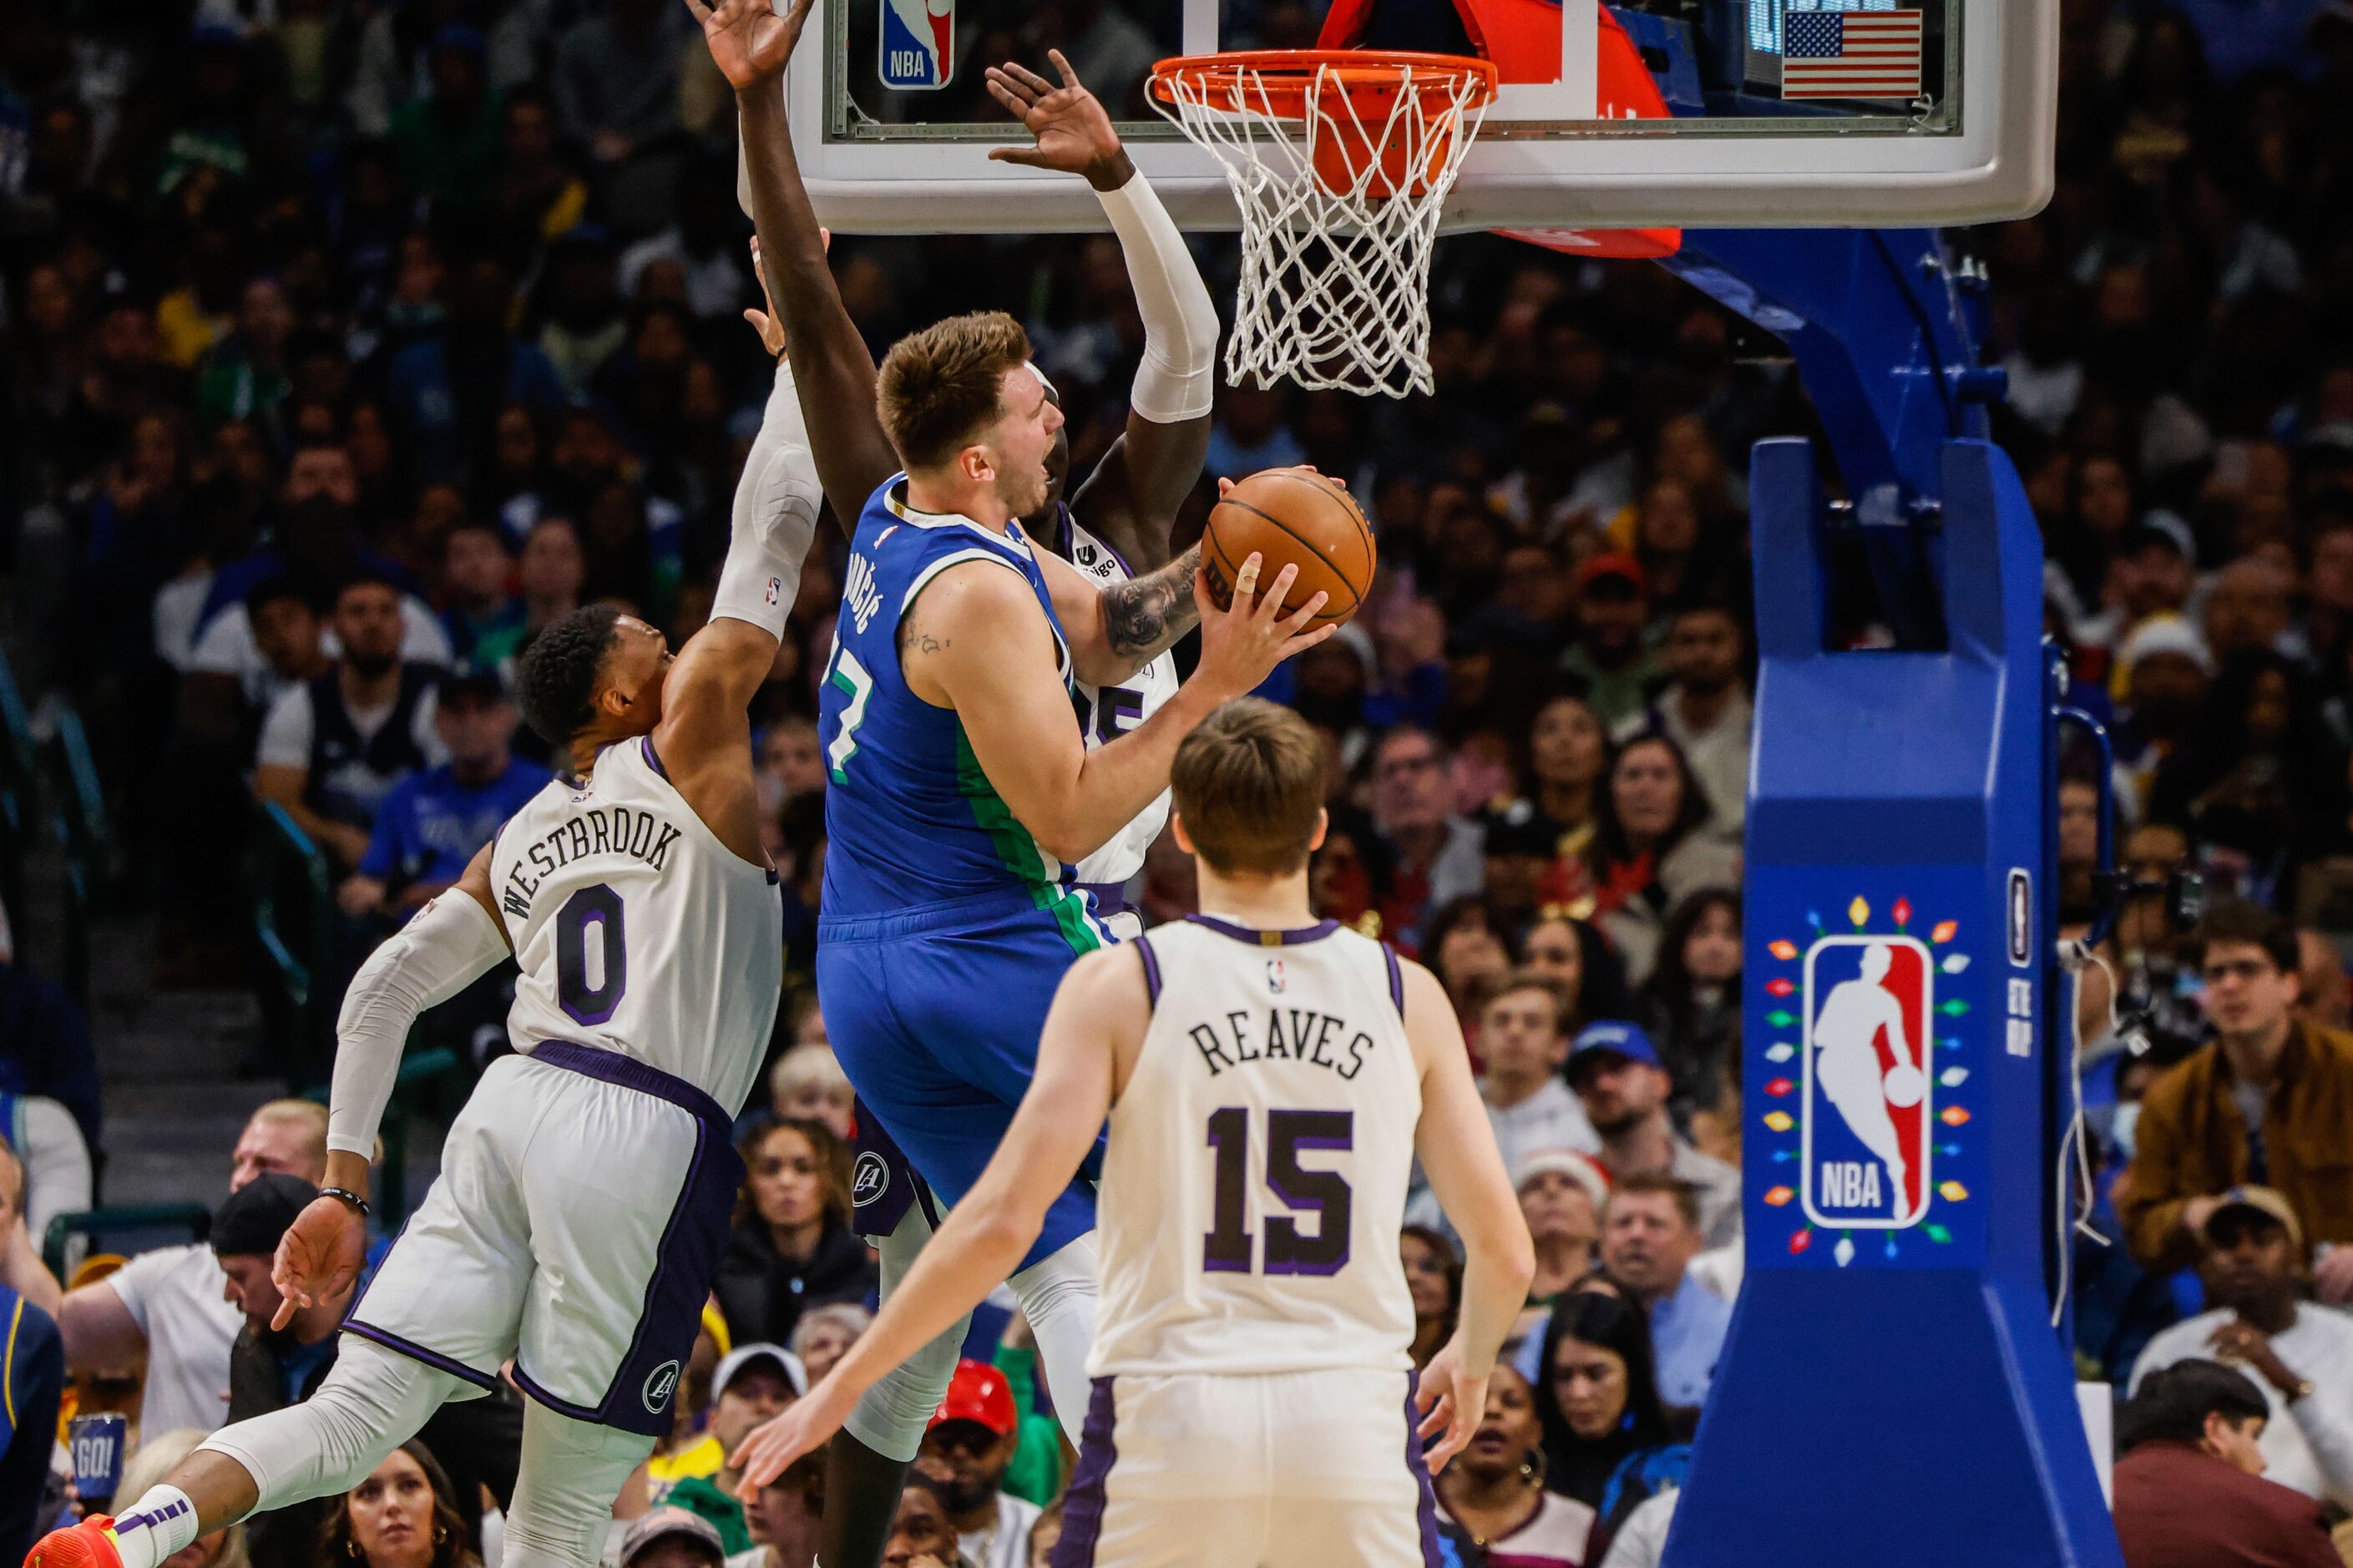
point(1340, 174)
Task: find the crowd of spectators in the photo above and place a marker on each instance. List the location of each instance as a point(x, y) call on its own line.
point(346, 342)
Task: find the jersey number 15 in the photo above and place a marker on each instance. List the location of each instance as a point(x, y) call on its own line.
point(1228, 1247)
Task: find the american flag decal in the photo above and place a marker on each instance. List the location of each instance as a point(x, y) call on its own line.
point(1850, 53)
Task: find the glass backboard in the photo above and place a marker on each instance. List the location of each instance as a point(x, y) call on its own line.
point(1760, 112)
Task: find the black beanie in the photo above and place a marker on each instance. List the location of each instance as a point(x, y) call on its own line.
point(252, 1219)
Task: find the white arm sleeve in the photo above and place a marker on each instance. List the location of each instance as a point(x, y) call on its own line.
point(775, 517)
point(1178, 379)
point(445, 947)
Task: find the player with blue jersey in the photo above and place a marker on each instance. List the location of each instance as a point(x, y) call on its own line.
point(923, 816)
point(961, 783)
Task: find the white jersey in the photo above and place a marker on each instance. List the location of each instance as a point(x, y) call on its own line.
point(637, 931)
point(1255, 1176)
point(1107, 713)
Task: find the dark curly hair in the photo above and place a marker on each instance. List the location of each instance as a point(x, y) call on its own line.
point(557, 680)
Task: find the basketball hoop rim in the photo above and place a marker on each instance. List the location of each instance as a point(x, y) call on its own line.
point(1282, 79)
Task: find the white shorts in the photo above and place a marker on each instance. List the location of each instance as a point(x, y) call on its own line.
point(1295, 1470)
point(581, 1212)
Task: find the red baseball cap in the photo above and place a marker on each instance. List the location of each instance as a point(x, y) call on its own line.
point(979, 1392)
point(1614, 564)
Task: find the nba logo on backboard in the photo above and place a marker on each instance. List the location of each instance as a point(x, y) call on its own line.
point(918, 43)
point(1865, 1112)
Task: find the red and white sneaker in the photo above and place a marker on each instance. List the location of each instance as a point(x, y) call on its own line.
point(89, 1544)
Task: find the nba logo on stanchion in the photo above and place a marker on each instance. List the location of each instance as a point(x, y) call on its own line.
point(918, 43)
point(1865, 1112)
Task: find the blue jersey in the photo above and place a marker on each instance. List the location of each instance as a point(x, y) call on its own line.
point(912, 822)
point(431, 824)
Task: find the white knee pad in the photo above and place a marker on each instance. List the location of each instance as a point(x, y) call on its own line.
point(373, 1400)
point(1058, 1297)
point(892, 1417)
point(572, 1470)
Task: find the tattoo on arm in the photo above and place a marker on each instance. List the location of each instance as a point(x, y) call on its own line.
point(914, 637)
point(1143, 616)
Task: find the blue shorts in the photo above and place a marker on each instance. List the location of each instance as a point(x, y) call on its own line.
point(935, 1018)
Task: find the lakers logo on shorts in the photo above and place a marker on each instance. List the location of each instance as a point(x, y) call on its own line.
point(869, 1179)
point(658, 1385)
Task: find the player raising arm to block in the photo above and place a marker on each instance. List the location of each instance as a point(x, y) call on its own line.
point(1116, 524)
point(586, 1188)
point(961, 786)
point(1134, 493)
point(1269, 1080)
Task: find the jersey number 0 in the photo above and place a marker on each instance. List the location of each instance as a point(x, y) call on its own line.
point(590, 998)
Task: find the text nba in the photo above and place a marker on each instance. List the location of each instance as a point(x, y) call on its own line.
point(1848, 1184)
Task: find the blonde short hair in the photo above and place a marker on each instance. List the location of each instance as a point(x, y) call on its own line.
point(308, 1114)
point(809, 1066)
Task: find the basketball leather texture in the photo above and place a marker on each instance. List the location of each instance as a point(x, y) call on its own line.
point(1291, 516)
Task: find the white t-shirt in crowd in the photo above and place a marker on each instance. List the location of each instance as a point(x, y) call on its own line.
point(1642, 1539)
point(2307, 1446)
point(178, 607)
point(286, 733)
point(225, 647)
point(176, 1296)
point(57, 1159)
point(1006, 1544)
point(1551, 1118)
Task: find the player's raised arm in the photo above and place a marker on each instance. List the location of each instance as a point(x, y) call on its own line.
point(751, 44)
point(974, 641)
point(1456, 1145)
point(1099, 1015)
point(1133, 493)
point(704, 734)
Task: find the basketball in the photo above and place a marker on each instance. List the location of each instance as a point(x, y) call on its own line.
point(1905, 1086)
point(1291, 516)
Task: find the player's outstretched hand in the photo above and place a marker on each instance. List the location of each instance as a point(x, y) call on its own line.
point(1241, 644)
point(1451, 1402)
point(318, 1258)
point(1073, 132)
point(751, 40)
point(775, 1444)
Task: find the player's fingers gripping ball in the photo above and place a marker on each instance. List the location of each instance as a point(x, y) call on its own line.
point(1905, 1086)
point(1245, 583)
point(1290, 517)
